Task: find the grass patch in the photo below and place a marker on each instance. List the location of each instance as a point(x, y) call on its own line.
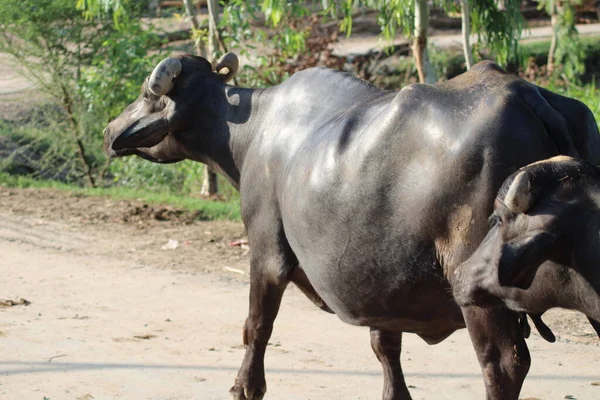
point(542, 46)
point(208, 209)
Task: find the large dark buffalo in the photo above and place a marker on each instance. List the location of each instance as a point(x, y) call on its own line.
point(543, 249)
point(367, 200)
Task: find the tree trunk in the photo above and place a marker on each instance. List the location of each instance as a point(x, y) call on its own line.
point(213, 32)
point(424, 68)
point(189, 11)
point(67, 103)
point(210, 186)
point(191, 14)
point(554, 24)
point(466, 32)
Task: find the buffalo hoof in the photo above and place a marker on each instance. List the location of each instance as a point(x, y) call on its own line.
point(238, 393)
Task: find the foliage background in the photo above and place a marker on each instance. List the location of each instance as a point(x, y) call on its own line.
point(89, 57)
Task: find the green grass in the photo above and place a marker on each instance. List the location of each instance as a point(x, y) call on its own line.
point(208, 209)
point(230, 210)
point(136, 179)
point(591, 44)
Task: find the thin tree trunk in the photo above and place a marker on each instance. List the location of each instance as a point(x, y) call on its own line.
point(86, 165)
point(466, 32)
point(424, 68)
point(213, 29)
point(189, 11)
point(210, 185)
point(191, 14)
point(553, 41)
point(67, 103)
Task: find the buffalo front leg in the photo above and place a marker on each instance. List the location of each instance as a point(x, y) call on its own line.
point(387, 347)
point(498, 340)
point(265, 298)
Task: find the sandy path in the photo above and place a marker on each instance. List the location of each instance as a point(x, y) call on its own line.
point(361, 44)
point(82, 337)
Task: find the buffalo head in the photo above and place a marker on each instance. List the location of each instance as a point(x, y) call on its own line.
point(176, 105)
point(543, 249)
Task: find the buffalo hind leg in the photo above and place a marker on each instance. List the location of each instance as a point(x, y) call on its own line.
point(498, 340)
point(265, 299)
point(387, 347)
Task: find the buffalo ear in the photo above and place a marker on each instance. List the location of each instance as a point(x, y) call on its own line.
point(148, 131)
point(227, 66)
point(520, 258)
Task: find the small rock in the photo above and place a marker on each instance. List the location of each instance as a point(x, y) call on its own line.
point(172, 244)
point(144, 337)
point(12, 303)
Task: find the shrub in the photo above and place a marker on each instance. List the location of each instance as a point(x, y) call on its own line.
point(90, 69)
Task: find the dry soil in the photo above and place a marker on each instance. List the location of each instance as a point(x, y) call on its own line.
point(114, 315)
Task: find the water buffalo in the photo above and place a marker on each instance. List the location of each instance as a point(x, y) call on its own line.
point(366, 199)
point(543, 249)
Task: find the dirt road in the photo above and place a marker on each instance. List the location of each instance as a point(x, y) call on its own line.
point(113, 315)
point(361, 44)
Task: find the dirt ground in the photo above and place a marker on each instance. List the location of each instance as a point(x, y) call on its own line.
point(97, 302)
point(113, 314)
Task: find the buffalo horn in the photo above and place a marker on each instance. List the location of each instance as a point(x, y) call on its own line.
point(228, 65)
point(161, 79)
point(519, 197)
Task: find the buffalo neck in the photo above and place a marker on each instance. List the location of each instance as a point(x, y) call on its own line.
point(243, 121)
point(232, 123)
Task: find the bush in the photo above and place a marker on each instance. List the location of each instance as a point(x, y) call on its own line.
point(90, 69)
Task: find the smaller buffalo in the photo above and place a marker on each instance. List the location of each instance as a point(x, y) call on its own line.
point(543, 248)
